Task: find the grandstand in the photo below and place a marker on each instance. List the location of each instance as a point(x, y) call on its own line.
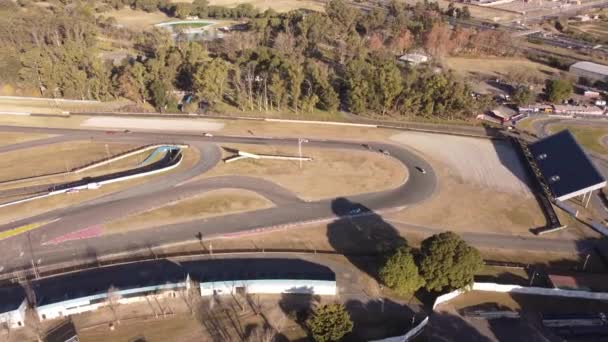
point(566, 169)
point(561, 171)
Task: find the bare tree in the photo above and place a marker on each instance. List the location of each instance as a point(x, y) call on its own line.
point(190, 294)
point(113, 297)
point(262, 334)
point(5, 326)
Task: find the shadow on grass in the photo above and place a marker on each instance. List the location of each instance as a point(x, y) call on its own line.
point(358, 228)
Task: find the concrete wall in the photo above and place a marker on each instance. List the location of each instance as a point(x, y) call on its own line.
point(299, 286)
point(16, 318)
point(492, 287)
point(540, 291)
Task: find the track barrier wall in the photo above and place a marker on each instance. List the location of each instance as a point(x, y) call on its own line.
point(493, 287)
point(93, 164)
point(171, 166)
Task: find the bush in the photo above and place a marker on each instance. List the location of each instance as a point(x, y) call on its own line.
point(448, 262)
point(400, 272)
point(329, 323)
point(558, 90)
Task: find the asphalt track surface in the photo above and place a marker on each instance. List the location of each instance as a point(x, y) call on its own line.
point(18, 251)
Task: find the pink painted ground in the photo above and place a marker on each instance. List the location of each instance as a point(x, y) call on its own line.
point(85, 233)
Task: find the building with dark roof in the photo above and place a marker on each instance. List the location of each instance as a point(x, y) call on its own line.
point(262, 275)
point(567, 169)
point(12, 306)
point(88, 290)
point(78, 292)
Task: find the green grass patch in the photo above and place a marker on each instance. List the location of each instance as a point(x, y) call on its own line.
point(589, 137)
point(191, 25)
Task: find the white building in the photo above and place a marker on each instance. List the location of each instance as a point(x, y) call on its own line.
point(414, 58)
point(263, 276)
point(89, 290)
point(578, 110)
point(591, 71)
point(13, 304)
point(270, 286)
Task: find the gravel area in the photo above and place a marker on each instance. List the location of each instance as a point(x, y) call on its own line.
point(154, 124)
point(488, 163)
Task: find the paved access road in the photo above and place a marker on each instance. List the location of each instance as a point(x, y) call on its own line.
point(19, 251)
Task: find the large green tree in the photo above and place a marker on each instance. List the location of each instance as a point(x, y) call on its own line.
point(389, 84)
point(400, 272)
point(447, 262)
point(523, 95)
point(329, 323)
point(210, 80)
point(558, 90)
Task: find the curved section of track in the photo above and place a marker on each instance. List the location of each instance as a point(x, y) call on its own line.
point(289, 209)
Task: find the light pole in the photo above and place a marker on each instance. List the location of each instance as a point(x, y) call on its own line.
point(300, 141)
point(586, 260)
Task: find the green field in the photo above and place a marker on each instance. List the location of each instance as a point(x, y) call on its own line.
point(190, 25)
point(589, 137)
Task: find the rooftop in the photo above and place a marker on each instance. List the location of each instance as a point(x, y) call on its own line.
point(99, 281)
point(414, 58)
point(128, 279)
point(565, 166)
point(592, 67)
point(12, 297)
point(256, 268)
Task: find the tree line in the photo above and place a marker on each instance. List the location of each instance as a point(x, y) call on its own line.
point(300, 61)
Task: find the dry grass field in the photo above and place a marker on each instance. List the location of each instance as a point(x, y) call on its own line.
point(45, 106)
point(499, 67)
point(209, 204)
point(137, 20)
point(28, 209)
point(53, 158)
point(331, 173)
point(128, 163)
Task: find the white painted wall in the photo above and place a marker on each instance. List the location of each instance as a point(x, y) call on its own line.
point(16, 318)
point(299, 286)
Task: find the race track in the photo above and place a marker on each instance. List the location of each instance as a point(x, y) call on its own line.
point(18, 251)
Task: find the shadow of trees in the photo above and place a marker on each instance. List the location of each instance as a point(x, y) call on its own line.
point(298, 306)
point(448, 327)
point(379, 318)
point(362, 235)
point(223, 319)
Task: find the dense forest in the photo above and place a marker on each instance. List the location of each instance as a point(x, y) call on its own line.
point(299, 61)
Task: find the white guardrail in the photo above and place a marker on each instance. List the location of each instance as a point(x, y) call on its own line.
point(493, 287)
point(95, 185)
